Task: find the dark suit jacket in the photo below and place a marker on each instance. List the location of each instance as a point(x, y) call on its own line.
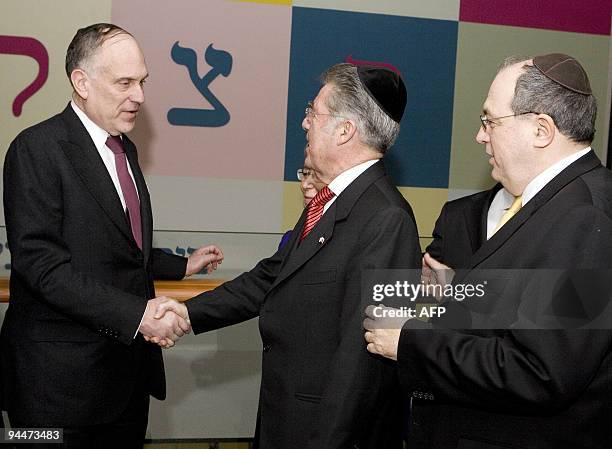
point(461, 228)
point(79, 283)
point(320, 388)
point(516, 384)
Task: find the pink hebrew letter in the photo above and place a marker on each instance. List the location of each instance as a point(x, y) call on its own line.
point(27, 46)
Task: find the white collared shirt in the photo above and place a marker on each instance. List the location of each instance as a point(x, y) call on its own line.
point(503, 199)
point(344, 179)
point(99, 136)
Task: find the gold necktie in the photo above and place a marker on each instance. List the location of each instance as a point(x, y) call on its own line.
point(510, 212)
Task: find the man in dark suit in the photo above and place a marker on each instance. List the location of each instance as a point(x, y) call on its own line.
point(79, 225)
point(460, 230)
point(534, 369)
point(320, 388)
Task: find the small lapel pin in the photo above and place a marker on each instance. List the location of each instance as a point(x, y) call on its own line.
point(321, 240)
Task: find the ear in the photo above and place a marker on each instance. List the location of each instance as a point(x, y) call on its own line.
point(346, 131)
point(80, 83)
point(545, 131)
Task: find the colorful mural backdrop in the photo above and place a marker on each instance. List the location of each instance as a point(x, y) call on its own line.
point(229, 80)
point(219, 136)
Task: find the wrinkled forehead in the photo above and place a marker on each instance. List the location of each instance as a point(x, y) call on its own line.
point(118, 45)
point(117, 36)
point(321, 100)
point(121, 57)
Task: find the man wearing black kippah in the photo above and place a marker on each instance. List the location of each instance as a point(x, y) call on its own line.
point(534, 369)
point(320, 388)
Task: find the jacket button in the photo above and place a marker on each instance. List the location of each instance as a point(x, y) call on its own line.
point(267, 348)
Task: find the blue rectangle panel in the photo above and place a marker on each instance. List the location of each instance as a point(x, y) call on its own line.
point(423, 50)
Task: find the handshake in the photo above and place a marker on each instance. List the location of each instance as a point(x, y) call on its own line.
point(165, 321)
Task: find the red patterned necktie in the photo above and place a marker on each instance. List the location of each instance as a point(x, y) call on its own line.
point(127, 187)
point(315, 210)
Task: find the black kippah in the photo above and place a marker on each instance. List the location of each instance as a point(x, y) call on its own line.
point(564, 70)
point(386, 88)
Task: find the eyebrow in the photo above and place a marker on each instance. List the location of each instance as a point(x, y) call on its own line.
point(487, 113)
point(131, 78)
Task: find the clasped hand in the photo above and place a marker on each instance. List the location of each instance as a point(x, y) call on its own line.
point(165, 321)
point(383, 325)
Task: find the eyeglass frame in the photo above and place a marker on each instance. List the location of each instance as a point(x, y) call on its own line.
point(484, 121)
point(301, 175)
point(310, 112)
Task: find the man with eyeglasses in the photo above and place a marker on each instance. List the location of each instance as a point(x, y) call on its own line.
point(320, 388)
point(543, 379)
point(309, 186)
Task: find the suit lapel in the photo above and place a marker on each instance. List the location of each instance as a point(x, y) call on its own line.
point(85, 159)
point(586, 163)
point(303, 251)
point(481, 210)
point(323, 231)
point(472, 219)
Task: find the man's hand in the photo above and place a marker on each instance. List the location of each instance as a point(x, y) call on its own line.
point(382, 332)
point(164, 329)
point(436, 273)
point(206, 257)
point(170, 306)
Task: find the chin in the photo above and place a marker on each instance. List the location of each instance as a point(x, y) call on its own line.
point(125, 128)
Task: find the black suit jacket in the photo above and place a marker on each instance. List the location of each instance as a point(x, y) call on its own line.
point(79, 283)
point(461, 229)
point(320, 388)
point(508, 382)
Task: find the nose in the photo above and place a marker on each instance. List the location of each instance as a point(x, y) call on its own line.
point(305, 123)
point(306, 184)
point(137, 95)
point(482, 136)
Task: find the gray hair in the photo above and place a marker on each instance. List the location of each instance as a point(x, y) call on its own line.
point(574, 114)
point(349, 99)
point(86, 42)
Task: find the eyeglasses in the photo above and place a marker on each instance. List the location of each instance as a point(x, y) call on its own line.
point(311, 114)
point(304, 173)
point(487, 121)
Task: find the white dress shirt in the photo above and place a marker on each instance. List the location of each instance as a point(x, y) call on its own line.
point(99, 136)
point(344, 179)
point(504, 199)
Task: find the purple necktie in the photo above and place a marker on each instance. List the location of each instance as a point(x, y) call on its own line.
point(127, 187)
